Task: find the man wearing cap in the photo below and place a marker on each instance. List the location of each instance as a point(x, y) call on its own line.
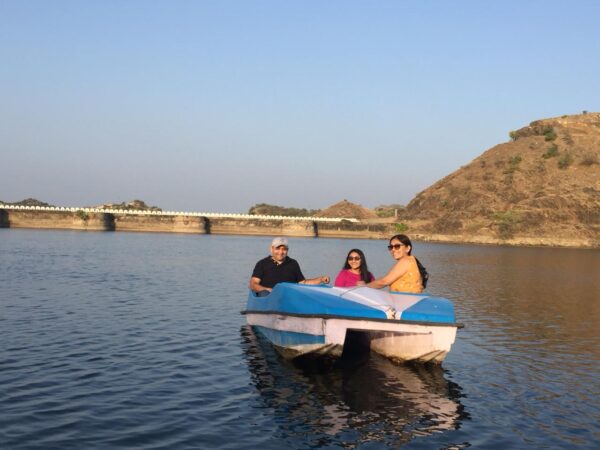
point(278, 268)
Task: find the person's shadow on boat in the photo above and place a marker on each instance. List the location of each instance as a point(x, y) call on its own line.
point(353, 400)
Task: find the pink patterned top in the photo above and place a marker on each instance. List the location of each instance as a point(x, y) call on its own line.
point(346, 278)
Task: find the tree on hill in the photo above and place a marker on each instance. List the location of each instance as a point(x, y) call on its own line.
point(264, 209)
point(137, 205)
point(28, 202)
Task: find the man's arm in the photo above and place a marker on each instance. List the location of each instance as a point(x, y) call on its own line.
point(300, 277)
point(255, 285)
point(323, 279)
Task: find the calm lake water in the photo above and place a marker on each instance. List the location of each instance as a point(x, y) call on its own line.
point(133, 340)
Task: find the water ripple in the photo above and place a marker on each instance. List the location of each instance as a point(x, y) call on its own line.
point(131, 340)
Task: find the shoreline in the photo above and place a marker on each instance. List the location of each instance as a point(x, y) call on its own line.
point(290, 227)
point(518, 241)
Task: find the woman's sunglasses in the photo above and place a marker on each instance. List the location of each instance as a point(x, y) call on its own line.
point(353, 258)
point(395, 246)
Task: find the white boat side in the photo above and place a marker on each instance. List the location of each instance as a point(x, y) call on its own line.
point(305, 328)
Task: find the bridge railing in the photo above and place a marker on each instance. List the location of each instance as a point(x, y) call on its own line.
point(174, 213)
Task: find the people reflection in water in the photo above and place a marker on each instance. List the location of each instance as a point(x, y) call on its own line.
point(355, 271)
point(374, 401)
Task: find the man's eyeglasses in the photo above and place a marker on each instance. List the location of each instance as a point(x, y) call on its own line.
point(353, 258)
point(395, 246)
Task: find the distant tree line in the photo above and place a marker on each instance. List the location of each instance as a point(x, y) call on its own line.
point(27, 202)
point(138, 205)
point(132, 205)
point(264, 209)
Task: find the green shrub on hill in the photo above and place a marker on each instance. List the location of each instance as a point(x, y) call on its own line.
point(513, 164)
point(507, 223)
point(551, 152)
point(565, 161)
point(400, 227)
point(82, 215)
point(549, 133)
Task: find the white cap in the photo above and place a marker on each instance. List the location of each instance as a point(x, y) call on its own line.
point(279, 241)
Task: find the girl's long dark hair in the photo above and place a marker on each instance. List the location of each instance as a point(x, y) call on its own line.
point(364, 270)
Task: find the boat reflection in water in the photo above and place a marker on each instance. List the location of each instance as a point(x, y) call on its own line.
point(351, 402)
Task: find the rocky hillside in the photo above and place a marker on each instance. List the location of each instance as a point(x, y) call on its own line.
point(542, 187)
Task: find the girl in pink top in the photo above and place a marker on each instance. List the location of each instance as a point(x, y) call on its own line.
point(355, 271)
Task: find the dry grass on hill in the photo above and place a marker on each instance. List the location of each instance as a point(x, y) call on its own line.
point(544, 183)
point(347, 209)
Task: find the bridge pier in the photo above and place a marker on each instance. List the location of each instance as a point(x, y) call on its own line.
point(3, 218)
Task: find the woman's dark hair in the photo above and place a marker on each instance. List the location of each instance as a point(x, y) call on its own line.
point(404, 239)
point(364, 270)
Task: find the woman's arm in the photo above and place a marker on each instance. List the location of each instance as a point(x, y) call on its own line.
point(399, 269)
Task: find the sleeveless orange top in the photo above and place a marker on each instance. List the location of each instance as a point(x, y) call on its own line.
point(410, 281)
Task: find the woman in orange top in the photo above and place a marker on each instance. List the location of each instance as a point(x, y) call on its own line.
point(405, 275)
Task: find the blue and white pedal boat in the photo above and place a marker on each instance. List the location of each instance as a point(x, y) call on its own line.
point(301, 319)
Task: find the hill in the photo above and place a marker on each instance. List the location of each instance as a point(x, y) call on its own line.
point(27, 202)
point(347, 209)
point(542, 187)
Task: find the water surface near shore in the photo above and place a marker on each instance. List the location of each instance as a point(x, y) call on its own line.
point(133, 340)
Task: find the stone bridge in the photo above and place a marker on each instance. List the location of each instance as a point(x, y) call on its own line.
point(172, 213)
point(98, 219)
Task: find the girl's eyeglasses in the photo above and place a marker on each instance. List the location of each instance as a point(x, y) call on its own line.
point(353, 258)
point(395, 246)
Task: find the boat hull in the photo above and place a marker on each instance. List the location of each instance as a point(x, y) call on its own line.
point(312, 330)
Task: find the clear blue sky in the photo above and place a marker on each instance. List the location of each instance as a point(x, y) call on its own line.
point(218, 105)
